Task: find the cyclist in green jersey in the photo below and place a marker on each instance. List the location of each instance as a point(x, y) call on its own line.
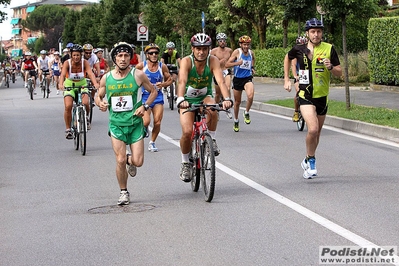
point(123, 89)
point(317, 61)
point(195, 86)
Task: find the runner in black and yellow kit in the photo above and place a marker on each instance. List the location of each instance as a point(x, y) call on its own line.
point(317, 61)
point(126, 111)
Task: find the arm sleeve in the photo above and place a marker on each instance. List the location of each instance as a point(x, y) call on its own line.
point(292, 54)
point(334, 57)
point(165, 58)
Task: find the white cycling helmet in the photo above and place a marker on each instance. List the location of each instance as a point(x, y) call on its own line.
point(43, 52)
point(28, 53)
point(221, 36)
point(170, 45)
point(201, 40)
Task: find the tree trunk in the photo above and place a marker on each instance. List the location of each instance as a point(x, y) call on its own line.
point(285, 32)
point(346, 68)
point(299, 25)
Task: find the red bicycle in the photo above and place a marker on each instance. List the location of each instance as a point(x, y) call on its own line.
point(202, 154)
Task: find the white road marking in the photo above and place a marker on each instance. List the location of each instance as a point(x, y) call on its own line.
point(333, 227)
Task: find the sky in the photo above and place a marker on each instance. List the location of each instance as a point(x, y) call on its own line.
point(5, 26)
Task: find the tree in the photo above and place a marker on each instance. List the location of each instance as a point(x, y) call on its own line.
point(297, 10)
point(255, 12)
point(185, 23)
point(68, 34)
point(340, 10)
point(49, 21)
point(227, 22)
point(86, 29)
point(3, 15)
point(119, 21)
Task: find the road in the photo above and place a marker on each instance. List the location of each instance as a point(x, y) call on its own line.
point(59, 208)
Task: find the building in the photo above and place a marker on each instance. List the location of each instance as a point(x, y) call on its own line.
point(393, 2)
point(21, 37)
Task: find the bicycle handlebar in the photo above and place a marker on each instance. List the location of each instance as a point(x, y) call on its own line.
point(214, 107)
point(76, 87)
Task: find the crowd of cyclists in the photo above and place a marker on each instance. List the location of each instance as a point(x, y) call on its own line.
point(195, 77)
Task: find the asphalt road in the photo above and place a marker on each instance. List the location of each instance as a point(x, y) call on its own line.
point(59, 208)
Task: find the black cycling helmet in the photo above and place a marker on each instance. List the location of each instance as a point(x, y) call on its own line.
point(121, 47)
point(76, 48)
point(313, 23)
point(201, 39)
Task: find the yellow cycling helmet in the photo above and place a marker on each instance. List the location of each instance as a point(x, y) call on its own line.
point(151, 46)
point(244, 39)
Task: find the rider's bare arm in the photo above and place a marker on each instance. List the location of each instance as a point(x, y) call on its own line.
point(142, 80)
point(185, 68)
point(99, 98)
point(65, 68)
point(218, 74)
point(167, 77)
point(231, 62)
point(90, 74)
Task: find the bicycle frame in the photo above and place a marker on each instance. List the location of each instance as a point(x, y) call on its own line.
point(202, 152)
point(199, 127)
point(79, 120)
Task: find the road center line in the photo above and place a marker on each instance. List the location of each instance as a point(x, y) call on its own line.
point(339, 230)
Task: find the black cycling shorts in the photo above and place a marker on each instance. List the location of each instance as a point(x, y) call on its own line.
point(239, 83)
point(320, 104)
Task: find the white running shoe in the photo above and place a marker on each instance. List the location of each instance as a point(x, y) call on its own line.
point(185, 172)
point(309, 167)
point(152, 147)
point(124, 198)
point(131, 169)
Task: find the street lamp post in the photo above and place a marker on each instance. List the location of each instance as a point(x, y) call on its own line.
point(60, 45)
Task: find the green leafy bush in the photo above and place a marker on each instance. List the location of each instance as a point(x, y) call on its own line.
point(270, 62)
point(383, 36)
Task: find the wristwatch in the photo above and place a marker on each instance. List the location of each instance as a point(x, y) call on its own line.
point(146, 106)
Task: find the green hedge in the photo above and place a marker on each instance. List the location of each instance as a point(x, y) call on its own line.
point(383, 36)
point(270, 62)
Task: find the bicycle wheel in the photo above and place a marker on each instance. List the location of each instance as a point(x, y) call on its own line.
point(82, 130)
point(13, 78)
point(91, 108)
point(171, 96)
point(301, 123)
point(195, 159)
point(8, 80)
point(44, 85)
point(47, 88)
point(74, 126)
point(30, 89)
point(208, 168)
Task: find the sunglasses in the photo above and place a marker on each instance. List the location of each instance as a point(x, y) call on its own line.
point(152, 53)
point(87, 52)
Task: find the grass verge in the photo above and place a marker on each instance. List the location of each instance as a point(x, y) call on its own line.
point(378, 116)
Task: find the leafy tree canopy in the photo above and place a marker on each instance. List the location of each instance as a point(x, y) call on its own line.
point(45, 17)
point(3, 15)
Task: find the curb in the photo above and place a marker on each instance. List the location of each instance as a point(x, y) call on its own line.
point(381, 132)
point(371, 86)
